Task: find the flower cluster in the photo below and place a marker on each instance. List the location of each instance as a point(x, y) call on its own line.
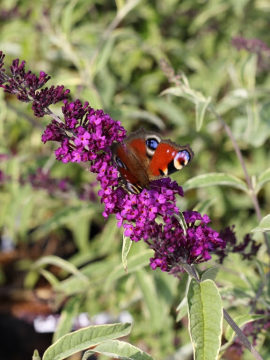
point(85, 135)
point(174, 246)
point(251, 45)
point(255, 46)
point(26, 85)
point(248, 248)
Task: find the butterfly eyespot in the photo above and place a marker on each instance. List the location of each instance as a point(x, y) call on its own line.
point(151, 144)
point(119, 163)
point(181, 159)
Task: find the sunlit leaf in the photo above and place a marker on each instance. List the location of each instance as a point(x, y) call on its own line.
point(182, 309)
point(151, 299)
point(125, 250)
point(68, 314)
point(264, 225)
point(213, 179)
point(201, 107)
point(84, 338)
point(263, 179)
point(118, 350)
point(135, 263)
point(205, 319)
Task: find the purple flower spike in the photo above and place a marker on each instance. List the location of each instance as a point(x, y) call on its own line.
point(85, 134)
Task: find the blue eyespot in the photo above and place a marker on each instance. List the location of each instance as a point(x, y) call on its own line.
point(186, 154)
point(183, 157)
point(119, 162)
point(152, 143)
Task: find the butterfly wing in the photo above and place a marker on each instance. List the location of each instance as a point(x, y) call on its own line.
point(131, 163)
point(144, 156)
point(168, 158)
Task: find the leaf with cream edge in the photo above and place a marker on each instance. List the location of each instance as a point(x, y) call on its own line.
point(84, 338)
point(205, 319)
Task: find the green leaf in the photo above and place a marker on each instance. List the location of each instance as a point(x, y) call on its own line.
point(201, 107)
point(68, 313)
point(63, 264)
point(50, 277)
point(240, 320)
point(118, 350)
point(213, 179)
point(64, 217)
point(84, 338)
point(125, 250)
point(135, 263)
point(36, 355)
point(182, 221)
point(210, 273)
point(96, 272)
point(204, 205)
point(151, 299)
point(180, 92)
point(205, 319)
point(262, 180)
point(264, 225)
point(182, 309)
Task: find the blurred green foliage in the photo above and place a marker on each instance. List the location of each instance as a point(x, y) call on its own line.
point(109, 53)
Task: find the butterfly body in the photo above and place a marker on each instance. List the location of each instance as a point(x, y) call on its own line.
point(144, 157)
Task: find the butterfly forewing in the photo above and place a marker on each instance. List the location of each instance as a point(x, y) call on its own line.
point(144, 157)
point(169, 158)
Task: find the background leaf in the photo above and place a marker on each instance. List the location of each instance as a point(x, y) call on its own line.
point(119, 350)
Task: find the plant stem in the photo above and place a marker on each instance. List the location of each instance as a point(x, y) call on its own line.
point(238, 152)
point(244, 340)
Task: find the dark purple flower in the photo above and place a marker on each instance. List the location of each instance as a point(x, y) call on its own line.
point(255, 46)
point(248, 248)
point(26, 85)
point(85, 134)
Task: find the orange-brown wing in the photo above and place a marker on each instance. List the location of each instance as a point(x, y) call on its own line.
point(168, 158)
point(131, 167)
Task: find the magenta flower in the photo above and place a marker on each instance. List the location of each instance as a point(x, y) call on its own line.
point(85, 134)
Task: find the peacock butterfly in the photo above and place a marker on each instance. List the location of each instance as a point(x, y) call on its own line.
point(144, 156)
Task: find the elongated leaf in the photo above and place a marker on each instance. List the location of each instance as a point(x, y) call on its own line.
point(264, 225)
point(96, 272)
point(205, 319)
point(118, 350)
point(125, 250)
point(135, 263)
point(182, 309)
point(84, 338)
point(36, 356)
point(151, 299)
point(68, 313)
point(262, 180)
point(63, 264)
point(240, 321)
point(213, 179)
point(204, 205)
point(64, 216)
point(210, 273)
point(50, 277)
point(182, 222)
point(201, 107)
point(179, 91)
